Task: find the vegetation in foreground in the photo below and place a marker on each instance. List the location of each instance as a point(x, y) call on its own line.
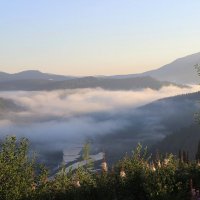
point(134, 177)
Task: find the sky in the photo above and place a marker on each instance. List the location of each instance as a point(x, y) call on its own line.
point(96, 37)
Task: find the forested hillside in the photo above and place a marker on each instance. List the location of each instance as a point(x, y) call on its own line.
point(86, 82)
point(8, 105)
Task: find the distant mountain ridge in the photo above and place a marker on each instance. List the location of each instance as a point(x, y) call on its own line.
point(180, 71)
point(85, 82)
point(32, 74)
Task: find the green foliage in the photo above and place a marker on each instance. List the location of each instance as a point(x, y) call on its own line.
point(142, 177)
point(86, 156)
point(17, 171)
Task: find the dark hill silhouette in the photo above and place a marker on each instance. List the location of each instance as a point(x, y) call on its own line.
point(169, 124)
point(7, 105)
point(85, 82)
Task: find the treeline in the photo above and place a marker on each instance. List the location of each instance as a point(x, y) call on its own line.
point(135, 177)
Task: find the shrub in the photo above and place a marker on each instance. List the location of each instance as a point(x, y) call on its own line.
point(135, 177)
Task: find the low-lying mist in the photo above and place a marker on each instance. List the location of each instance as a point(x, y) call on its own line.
point(53, 120)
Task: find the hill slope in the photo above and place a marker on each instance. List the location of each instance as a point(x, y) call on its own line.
point(180, 71)
point(86, 82)
point(184, 139)
point(151, 124)
point(7, 105)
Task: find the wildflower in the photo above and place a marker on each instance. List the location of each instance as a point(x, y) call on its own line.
point(166, 161)
point(77, 184)
point(33, 186)
point(104, 166)
point(152, 167)
point(122, 174)
point(159, 164)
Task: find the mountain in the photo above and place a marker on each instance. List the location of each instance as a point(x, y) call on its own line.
point(167, 124)
point(31, 75)
point(85, 82)
point(184, 139)
point(7, 105)
point(180, 71)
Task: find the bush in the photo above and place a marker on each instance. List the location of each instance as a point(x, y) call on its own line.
point(17, 171)
point(135, 177)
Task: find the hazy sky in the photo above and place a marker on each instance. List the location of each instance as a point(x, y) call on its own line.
point(86, 37)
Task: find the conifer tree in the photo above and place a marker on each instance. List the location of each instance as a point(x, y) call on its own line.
point(180, 156)
point(184, 157)
point(198, 152)
point(86, 155)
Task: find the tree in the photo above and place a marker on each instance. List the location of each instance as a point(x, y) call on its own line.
point(198, 152)
point(86, 155)
point(17, 170)
point(197, 67)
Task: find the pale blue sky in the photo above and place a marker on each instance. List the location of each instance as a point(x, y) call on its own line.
point(87, 37)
